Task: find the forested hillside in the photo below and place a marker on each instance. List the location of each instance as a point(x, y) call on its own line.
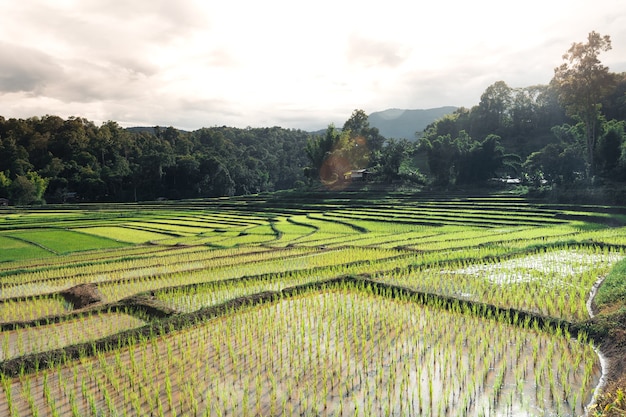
point(405, 123)
point(571, 131)
point(56, 160)
point(568, 131)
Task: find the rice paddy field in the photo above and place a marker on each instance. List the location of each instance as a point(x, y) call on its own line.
point(324, 304)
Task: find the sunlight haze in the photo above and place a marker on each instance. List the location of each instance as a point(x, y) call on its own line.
point(300, 65)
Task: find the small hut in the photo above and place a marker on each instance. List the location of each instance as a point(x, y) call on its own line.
point(356, 175)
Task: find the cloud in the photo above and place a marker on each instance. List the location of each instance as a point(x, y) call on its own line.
point(192, 63)
point(108, 27)
point(373, 53)
point(220, 57)
point(39, 74)
point(25, 69)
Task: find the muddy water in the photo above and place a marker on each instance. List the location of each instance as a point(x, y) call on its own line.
point(335, 353)
point(43, 338)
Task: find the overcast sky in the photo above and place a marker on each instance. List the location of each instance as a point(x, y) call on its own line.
point(288, 63)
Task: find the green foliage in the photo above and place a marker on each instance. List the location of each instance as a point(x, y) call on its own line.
point(319, 149)
point(56, 160)
point(69, 160)
point(392, 156)
point(613, 287)
point(466, 161)
point(357, 146)
point(561, 162)
point(555, 163)
point(364, 136)
point(582, 82)
point(532, 122)
point(609, 148)
point(610, 404)
point(28, 189)
point(494, 107)
point(522, 117)
point(5, 184)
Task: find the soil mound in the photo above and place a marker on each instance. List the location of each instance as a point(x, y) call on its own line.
point(82, 295)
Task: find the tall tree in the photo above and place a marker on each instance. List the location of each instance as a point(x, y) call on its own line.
point(494, 107)
point(5, 184)
point(443, 155)
point(609, 146)
point(392, 157)
point(362, 134)
point(27, 189)
point(318, 149)
point(582, 82)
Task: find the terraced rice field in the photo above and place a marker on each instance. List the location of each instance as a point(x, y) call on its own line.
point(345, 304)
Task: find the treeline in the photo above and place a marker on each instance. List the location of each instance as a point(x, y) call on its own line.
point(55, 160)
point(571, 131)
point(527, 133)
point(567, 132)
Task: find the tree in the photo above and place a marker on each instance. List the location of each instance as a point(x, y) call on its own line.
point(27, 189)
point(216, 180)
point(318, 149)
point(494, 107)
point(5, 184)
point(614, 106)
point(444, 155)
point(560, 162)
point(392, 156)
point(582, 82)
point(485, 160)
point(609, 146)
point(524, 109)
point(357, 122)
point(364, 136)
point(14, 157)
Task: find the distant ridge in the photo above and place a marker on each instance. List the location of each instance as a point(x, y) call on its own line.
point(150, 129)
point(391, 123)
point(403, 123)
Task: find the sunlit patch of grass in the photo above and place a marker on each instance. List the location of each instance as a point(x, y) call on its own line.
point(65, 241)
point(498, 252)
point(123, 234)
point(613, 288)
point(14, 250)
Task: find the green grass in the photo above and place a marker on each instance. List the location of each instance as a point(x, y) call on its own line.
point(65, 241)
point(206, 252)
point(17, 250)
point(123, 234)
point(613, 288)
point(32, 308)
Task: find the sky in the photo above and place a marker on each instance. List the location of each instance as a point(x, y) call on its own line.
point(294, 64)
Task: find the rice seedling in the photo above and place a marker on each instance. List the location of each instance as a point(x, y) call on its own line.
point(339, 351)
point(43, 338)
point(554, 283)
point(33, 308)
point(363, 348)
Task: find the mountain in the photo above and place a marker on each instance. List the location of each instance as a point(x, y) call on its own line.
point(402, 123)
point(391, 123)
